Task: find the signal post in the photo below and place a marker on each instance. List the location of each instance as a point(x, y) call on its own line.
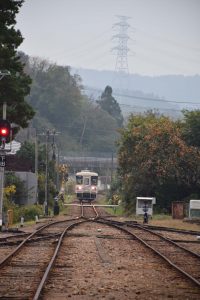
point(5, 137)
point(5, 134)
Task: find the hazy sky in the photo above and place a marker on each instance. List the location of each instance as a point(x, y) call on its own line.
point(164, 34)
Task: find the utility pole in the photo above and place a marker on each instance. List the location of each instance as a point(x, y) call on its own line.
point(111, 177)
point(56, 159)
point(57, 172)
point(36, 165)
point(111, 168)
point(46, 204)
point(47, 134)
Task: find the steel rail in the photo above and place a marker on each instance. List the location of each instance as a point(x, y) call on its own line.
point(89, 218)
point(52, 261)
point(19, 247)
point(156, 234)
point(194, 280)
point(187, 275)
point(168, 240)
point(16, 250)
point(32, 240)
point(96, 212)
point(20, 235)
point(162, 228)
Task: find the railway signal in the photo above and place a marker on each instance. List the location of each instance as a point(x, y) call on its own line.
point(5, 131)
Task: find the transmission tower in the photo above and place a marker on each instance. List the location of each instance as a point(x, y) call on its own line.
point(121, 48)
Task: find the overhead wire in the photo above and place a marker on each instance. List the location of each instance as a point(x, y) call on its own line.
point(145, 98)
point(172, 54)
point(83, 46)
point(84, 51)
point(176, 43)
point(167, 64)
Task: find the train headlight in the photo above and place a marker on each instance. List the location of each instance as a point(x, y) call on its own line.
point(79, 187)
point(93, 188)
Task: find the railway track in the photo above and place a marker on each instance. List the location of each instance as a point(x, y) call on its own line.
point(180, 258)
point(28, 266)
point(34, 256)
point(185, 261)
point(24, 274)
point(89, 212)
point(99, 253)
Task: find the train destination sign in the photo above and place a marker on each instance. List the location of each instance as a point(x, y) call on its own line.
point(2, 160)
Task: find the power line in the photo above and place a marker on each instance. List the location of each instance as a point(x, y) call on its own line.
point(175, 54)
point(175, 43)
point(144, 98)
point(85, 45)
point(156, 99)
point(149, 108)
point(87, 129)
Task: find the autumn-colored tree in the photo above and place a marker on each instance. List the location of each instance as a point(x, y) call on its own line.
point(155, 161)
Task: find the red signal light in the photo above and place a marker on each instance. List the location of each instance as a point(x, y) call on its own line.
point(4, 132)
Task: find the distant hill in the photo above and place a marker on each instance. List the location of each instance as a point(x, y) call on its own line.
point(137, 93)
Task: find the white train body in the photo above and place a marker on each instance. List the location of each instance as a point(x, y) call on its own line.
point(86, 185)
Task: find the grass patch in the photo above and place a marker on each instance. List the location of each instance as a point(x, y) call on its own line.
point(116, 211)
point(69, 199)
point(64, 210)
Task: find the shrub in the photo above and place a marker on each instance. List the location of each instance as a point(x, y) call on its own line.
point(28, 212)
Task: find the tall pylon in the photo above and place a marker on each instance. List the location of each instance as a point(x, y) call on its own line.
point(121, 48)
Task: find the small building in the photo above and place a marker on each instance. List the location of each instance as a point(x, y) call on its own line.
point(178, 210)
point(30, 181)
point(145, 204)
point(194, 209)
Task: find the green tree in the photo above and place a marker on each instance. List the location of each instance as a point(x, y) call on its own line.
point(109, 104)
point(27, 151)
point(55, 93)
point(95, 129)
point(13, 88)
point(84, 125)
point(191, 127)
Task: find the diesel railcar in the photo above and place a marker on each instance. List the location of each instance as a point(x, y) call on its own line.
point(86, 185)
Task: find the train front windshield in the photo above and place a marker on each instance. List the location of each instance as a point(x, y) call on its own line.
point(86, 181)
point(79, 179)
point(94, 180)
